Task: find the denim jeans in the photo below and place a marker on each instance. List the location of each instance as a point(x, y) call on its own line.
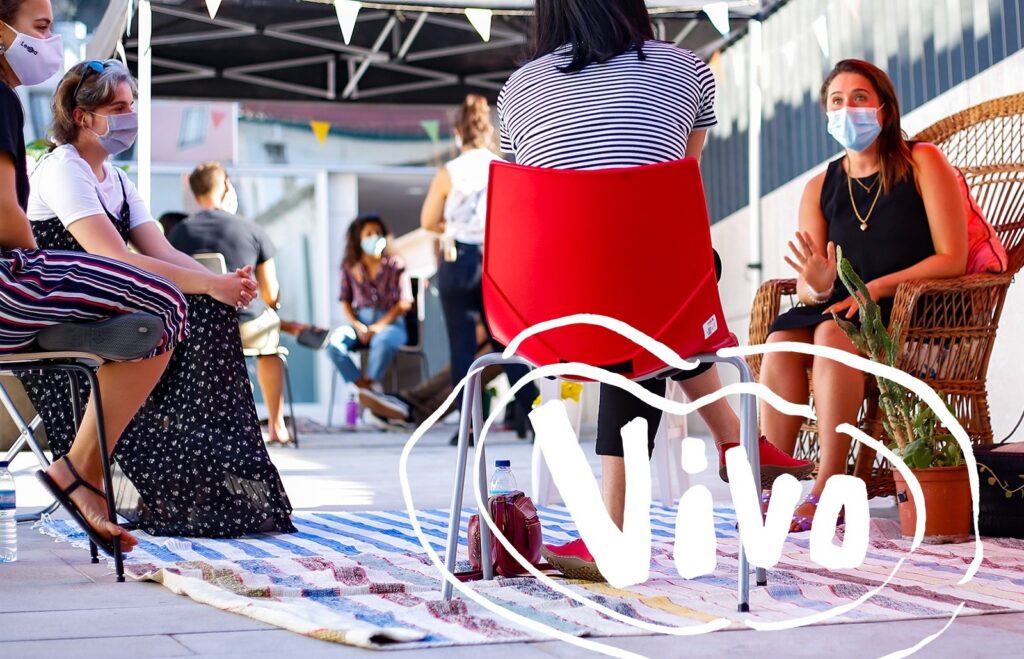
point(384, 346)
point(460, 283)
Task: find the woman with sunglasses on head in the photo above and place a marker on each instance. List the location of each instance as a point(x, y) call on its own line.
point(894, 206)
point(194, 452)
point(601, 92)
point(40, 289)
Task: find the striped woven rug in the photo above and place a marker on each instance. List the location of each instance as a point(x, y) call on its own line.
point(361, 578)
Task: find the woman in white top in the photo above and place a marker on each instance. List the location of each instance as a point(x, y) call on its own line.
point(194, 452)
point(456, 207)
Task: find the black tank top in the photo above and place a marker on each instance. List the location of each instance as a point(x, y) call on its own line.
point(897, 235)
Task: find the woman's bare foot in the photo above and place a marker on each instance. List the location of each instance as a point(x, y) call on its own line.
point(92, 506)
point(278, 434)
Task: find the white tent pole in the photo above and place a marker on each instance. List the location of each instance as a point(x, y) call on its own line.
point(756, 265)
point(144, 144)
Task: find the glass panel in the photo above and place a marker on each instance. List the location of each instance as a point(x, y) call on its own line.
point(285, 206)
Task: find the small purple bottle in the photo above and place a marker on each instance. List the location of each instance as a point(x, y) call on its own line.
point(351, 411)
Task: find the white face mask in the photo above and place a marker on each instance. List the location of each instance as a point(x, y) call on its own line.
point(229, 202)
point(122, 129)
point(32, 59)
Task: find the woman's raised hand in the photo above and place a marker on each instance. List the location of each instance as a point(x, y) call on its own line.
point(817, 269)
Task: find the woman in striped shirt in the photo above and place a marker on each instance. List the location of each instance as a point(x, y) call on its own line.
point(39, 289)
point(600, 92)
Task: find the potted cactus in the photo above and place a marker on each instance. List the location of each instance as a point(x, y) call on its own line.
point(916, 435)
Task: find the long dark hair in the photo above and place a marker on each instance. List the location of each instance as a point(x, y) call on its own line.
point(9, 9)
point(895, 162)
point(595, 30)
point(353, 250)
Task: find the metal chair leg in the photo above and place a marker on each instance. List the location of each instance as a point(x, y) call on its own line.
point(291, 399)
point(27, 430)
point(471, 415)
point(748, 440)
point(478, 425)
point(108, 480)
point(455, 514)
point(334, 388)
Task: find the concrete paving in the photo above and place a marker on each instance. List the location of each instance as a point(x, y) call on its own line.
point(54, 603)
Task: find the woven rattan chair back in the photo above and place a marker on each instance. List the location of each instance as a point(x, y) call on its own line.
point(987, 143)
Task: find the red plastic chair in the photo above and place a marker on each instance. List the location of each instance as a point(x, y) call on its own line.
point(633, 244)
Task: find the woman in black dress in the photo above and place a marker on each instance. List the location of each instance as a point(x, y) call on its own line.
point(895, 209)
point(194, 452)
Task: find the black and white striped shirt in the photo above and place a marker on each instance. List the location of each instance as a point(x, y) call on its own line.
point(620, 113)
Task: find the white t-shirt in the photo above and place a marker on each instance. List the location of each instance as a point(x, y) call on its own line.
point(64, 186)
point(465, 209)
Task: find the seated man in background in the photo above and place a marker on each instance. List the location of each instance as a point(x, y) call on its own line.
point(216, 228)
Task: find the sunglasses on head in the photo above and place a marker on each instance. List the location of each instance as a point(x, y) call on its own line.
point(92, 66)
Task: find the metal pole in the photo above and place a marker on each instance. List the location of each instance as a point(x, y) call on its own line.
point(755, 265)
point(144, 143)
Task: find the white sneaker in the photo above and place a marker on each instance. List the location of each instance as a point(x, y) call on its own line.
point(383, 405)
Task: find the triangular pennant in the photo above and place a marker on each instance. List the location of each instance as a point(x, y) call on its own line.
point(212, 6)
point(217, 116)
point(820, 26)
point(718, 13)
point(432, 128)
point(481, 20)
point(348, 12)
point(320, 129)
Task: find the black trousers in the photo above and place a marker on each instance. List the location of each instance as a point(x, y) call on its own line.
point(460, 283)
point(618, 407)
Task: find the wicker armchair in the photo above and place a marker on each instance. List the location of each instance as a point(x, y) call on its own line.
point(946, 327)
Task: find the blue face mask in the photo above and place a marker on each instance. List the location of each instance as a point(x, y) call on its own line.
point(854, 128)
point(373, 245)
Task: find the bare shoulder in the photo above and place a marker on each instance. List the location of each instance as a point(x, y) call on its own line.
point(815, 185)
point(927, 155)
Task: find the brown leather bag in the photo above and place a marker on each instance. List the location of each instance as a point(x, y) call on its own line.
point(516, 516)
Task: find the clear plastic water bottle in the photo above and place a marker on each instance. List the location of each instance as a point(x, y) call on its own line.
point(351, 411)
point(8, 523)
point(503, 481)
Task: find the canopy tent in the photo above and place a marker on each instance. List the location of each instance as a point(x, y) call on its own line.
point(413, 51)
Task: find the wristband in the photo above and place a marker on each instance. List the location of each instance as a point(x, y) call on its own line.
point(819, 297)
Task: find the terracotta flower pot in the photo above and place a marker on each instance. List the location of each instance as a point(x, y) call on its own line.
point(947, 497)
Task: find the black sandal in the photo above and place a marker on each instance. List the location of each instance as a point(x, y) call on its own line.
point(64, 498)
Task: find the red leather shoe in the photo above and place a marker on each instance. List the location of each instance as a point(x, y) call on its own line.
point(774, 463)
point(573, 560)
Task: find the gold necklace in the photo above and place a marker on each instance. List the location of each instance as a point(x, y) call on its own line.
point(867, 188)
point(863, 220)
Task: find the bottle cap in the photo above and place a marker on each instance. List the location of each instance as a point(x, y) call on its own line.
point(4, 464)
point(502, 463)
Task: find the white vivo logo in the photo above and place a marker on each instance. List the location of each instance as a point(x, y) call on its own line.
point(624, 556)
